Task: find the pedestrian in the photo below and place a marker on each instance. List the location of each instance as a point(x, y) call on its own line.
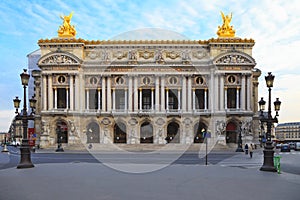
point(246, 149)
point(251, 150)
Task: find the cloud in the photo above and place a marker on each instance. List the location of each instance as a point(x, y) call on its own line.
point(6, 117)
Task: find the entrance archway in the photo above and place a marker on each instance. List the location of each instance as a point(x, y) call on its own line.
point(146, 133)
point(93, 133)
point(199, 128)
point(231, 133)
point(120, 135)
point(61, 132)
point(173, 133)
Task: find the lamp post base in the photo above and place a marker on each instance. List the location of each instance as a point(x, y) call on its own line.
point(239, 149)
point(25, 161)
point(268, 158)
point(5, 150)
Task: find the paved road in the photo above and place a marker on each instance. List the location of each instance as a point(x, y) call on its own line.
point(77, 176)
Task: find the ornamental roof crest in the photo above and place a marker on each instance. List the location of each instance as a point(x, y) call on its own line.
point(234, 58)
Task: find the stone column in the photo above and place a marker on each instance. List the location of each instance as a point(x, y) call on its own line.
point(216, 94)
point(108, 94)
point(130, 94)
point(135, 94)
point(103, 94)
point(212, 91)
point(225, 90)
point(99, 99)
point(194, 99)
point(222, 100)
point(243, 93)
point(152, 99)
point(162, 95)
point(189, 94)
point(77, 90)
point(125, 96)
point(114, 99)
point(141, 97)
point(71, 92)
point(44, 92)
point(183, 94)
point(87, 93)
point(55, 98)
point(238, 98)
point(249, 92)
point(50, 93)
point(157, 93)
point(179, 98)
point(67, 99)
point(167, 99)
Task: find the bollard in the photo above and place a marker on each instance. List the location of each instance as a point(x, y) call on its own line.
point(277, 163)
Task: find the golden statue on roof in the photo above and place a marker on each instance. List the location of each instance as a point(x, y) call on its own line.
point(226, 30)
point(66, 30)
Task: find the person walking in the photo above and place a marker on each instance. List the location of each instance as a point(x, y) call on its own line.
point(246, 149)
point(251, 150)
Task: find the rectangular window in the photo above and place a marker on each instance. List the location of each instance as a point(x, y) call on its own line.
point(120, 99)
point(231, 98)
point(199, 99)
point(61, 98)
point(173, 100)
point(93, 99)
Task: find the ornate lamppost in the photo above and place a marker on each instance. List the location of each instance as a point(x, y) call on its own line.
point(240, 141)
point(269, 120)
point(25, 161)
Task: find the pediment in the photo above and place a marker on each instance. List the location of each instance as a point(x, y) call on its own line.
point(59, 58)
point(234, 58)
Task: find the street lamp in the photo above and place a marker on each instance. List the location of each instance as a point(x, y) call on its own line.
point(240, 141)
point(25, 161)
point(269, 120)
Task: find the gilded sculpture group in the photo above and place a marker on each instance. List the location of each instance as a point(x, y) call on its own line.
point(67, 30)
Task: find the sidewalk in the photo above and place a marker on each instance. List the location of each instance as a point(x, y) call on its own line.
point(77, 181)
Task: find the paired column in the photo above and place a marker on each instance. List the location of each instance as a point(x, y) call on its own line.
point(238, 98)
point(157, 93)
point(225, 90)
point(55, 98)
point(152, 99)
point(243, 93)
point(114, 99)
point(125, 96)
point(99, 99)
point(189, 94)
point(183, 93)
point(141, 97)
point(162, 95)
point(222, 100)
point(167, 99)
point(71, 92)
point(249, 92)
point(77, 93)
point(205, 99)
point(103, 94)
point(194, 99)
point(135, 94)
point(87, 92)
point(130, 94)
point(108, 94)
point(179, 99)
point(44, 92)
point(50, 93)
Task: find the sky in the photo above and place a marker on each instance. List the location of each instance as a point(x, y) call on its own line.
point(273, 24)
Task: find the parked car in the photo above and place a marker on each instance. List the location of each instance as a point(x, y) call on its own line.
point(292, 145)
point(278, 146)
point(285, 148)
point(297, 146)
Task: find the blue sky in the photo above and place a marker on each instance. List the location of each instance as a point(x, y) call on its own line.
point(273, 24)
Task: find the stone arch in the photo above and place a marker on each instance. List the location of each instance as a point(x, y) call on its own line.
point(231, 132)
point(173, 132)
point(199, 128)
point(120, 132)
point(146, 132)
point(61, 128)
point(234, 58)
point(93, 132)
point(59, 57)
